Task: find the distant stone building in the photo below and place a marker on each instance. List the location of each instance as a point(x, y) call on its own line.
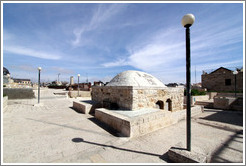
point(10, 82)
point(22, 81)
point(172, 85)
point(98, 83)
point(71, 80)
point(134, 90)
point(6, 77)
point(222, 79)
point(5, 71)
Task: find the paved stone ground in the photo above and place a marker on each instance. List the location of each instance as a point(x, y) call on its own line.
point(55, 133)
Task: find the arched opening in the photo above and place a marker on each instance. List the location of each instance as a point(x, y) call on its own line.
point(110, 105)
point(168, 105)
point(159, 104)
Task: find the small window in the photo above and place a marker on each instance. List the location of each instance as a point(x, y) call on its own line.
point(227, 82)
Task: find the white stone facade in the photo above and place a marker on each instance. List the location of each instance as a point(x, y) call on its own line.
point(134, 90)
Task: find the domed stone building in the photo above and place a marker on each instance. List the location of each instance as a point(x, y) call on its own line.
point(5, 71)
point(135, 90)
point(6, 77)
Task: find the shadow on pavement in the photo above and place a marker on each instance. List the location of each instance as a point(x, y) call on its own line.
point(66, 126)
point(229, 117)
point(227, 149)
point(77, 140)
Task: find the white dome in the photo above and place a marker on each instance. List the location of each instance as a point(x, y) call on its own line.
point(135, 78)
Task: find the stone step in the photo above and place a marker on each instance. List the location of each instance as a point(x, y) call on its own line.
point(86, 107)
point(205, 104)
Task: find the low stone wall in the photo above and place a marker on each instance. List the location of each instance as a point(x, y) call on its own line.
point(19, 93)
point(212, 94)
point(142, 124)
point(226, 102)
point(74, 94)
point(194, 99)
point(201, 98)
point(230, 94)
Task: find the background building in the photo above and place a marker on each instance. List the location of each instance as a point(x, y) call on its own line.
point(6, 77)
point(222, 79)
point(22, 81)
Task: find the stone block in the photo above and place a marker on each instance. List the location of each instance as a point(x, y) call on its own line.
point(86, 107)
point(178, 154)
point(134, 126)
point(223, 102)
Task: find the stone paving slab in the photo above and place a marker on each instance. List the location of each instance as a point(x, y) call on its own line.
point(47, 135)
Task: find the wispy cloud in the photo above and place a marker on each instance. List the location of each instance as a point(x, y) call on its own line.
point(215, 65)
point(26, 67)
point(156, 50)
point(101, 15)
point(117, 63)
point(160, 49)
point(31, 52)
point(62, 70)
point(103, 39)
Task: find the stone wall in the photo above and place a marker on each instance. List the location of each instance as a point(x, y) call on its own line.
point(194, 99)
point(149, 97)
point(230, 94)
point(133, 98)
point(73, 94)
point(231, 103)
point(212, 94)
point(107, 95)
point(19, 93)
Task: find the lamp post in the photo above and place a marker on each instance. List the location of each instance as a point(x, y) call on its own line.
point(187, 21)
point(39, 69)
point(78, 84)
point(235, 74)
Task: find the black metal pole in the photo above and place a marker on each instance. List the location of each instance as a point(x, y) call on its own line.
point(38, 86)
point(188, 90)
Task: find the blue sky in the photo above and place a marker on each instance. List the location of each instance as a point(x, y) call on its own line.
point(100, 40)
